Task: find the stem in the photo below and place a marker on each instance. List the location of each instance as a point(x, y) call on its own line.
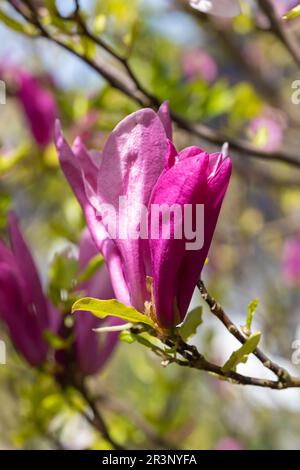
point(217, 310)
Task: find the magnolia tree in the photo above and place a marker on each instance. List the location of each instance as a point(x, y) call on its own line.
point(170, 219)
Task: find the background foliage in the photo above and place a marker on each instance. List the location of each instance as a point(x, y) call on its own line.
point(248, 97)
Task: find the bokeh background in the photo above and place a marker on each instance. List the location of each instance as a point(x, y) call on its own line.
point(235, 76)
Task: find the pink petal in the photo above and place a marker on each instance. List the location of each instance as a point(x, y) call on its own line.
point(75, 176)
point(39, 107)
point(133, 159)
point(164, 115)
point(21, 321)
point(28, 271)
point(176, 269)
point(184, 183)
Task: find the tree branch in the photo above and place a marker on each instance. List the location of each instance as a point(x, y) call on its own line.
point(131, 88)
point(285, 36)
point(217, 310)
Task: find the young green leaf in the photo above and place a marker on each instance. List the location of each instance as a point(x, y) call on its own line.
point(16, 25)
point(241, 355)
point(290, 15)
point(251, 312)
point(105, 308)
point(191, 323)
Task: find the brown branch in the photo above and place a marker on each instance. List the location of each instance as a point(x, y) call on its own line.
point(218, 311)
point(230, 43)
point(284, 34)
point(191, 358)
point(123, 60)
point(188, 356)
point(125, 84)
point(173, 350)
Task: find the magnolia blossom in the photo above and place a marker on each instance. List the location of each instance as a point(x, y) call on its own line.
point(156, 275)
point(39, 106)
point(291, 261)
point(23, 306)
point(28, 313)
point(227, 8)
point(266, 132)
point(37, 102)
point(197, 63)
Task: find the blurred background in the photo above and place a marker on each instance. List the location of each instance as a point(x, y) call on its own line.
point(233, 75)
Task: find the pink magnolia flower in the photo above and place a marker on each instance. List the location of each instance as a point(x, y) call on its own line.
point(140, 162)
point(197, 63)
point(291, 261)
point(266, 132)
point(39, 107)
point(217, 7)
point(23, 305)
point(28, 313)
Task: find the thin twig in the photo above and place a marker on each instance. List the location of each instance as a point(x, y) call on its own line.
point(187, 355)
point(230, 43)
point(217, 310)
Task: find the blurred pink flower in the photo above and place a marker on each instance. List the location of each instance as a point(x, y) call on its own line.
point(23, 306)
point(197, 63)
point(28, 313)
point(228, 443)
point(39, 107)
point(266, 132)
point(291, 261)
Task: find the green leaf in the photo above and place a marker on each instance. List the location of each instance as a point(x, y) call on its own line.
point(24, 28)
point(241, 355)
point(252, 307)
point(92, 267)
point(290, 15)
point(127, 337)
point(105, 308)
point(191, 323)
